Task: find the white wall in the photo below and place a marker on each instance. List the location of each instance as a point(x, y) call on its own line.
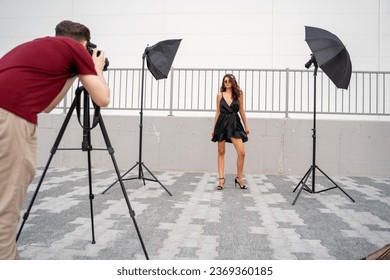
point(275, 146)
point(215, 33)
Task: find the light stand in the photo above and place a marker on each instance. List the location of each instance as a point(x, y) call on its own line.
point(313, 167)
point(85, 146)
point(140, 163)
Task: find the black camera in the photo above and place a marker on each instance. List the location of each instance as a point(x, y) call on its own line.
point(90, 48)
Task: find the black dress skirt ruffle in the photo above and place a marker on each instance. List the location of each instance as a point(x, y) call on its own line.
point(229, 124)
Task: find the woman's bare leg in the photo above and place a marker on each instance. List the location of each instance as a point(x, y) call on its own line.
point(239, 145)
point(221, 162)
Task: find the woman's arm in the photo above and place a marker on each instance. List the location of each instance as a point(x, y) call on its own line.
point(219, 96)
point(242, 112)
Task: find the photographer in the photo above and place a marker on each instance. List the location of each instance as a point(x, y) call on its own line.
point(34, 77)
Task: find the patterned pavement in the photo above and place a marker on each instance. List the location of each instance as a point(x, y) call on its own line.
point(199, 222)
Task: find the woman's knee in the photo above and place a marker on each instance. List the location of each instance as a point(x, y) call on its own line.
point(221, 151)
point(241, 154)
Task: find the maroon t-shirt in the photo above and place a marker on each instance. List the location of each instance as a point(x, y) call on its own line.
point(33, 74)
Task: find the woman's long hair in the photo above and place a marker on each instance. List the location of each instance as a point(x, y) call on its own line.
point(236, 91)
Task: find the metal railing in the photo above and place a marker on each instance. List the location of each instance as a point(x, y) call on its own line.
point(279, 91)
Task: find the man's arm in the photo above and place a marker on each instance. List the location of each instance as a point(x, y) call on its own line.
point(97, 89)
point(96, 85)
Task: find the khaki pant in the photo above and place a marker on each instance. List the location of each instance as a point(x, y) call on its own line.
point(18, 145)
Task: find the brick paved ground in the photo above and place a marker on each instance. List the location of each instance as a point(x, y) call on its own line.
point(199, 222)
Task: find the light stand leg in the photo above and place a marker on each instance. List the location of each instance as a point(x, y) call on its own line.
point(128, 171)
point(304, 185)
point(335, 185)
point(304, 178)
point(141, 176)
point(155, 178)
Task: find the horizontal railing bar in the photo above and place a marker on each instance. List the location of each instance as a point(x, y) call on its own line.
point(279, 91)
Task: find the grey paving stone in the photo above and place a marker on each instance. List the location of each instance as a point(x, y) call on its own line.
point(200, 222)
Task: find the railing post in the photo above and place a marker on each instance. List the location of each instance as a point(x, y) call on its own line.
point(64, 106)
point(287, 92)
point(64, 109)
point(171, 94)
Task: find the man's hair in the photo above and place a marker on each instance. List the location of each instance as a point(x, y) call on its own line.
point(73, 30)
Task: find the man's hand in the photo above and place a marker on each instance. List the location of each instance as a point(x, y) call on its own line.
point(99, 61)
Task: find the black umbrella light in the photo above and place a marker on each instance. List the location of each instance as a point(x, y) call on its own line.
point(330, 54)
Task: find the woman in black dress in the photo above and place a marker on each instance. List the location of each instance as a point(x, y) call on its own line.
point(228, 127)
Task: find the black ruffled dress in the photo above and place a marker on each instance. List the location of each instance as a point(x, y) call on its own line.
point(229, 124)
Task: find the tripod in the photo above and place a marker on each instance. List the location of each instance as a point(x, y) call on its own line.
point(86, 147)
point(313, 167)
point(140, 163)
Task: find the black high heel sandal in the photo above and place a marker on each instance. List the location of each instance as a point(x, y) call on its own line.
point(220, 188)
point(237, 183)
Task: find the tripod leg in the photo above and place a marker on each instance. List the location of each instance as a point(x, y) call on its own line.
point(156, 180)
point(131, 211)
point(336, 185)
point(132, 215)
point(91, 196)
